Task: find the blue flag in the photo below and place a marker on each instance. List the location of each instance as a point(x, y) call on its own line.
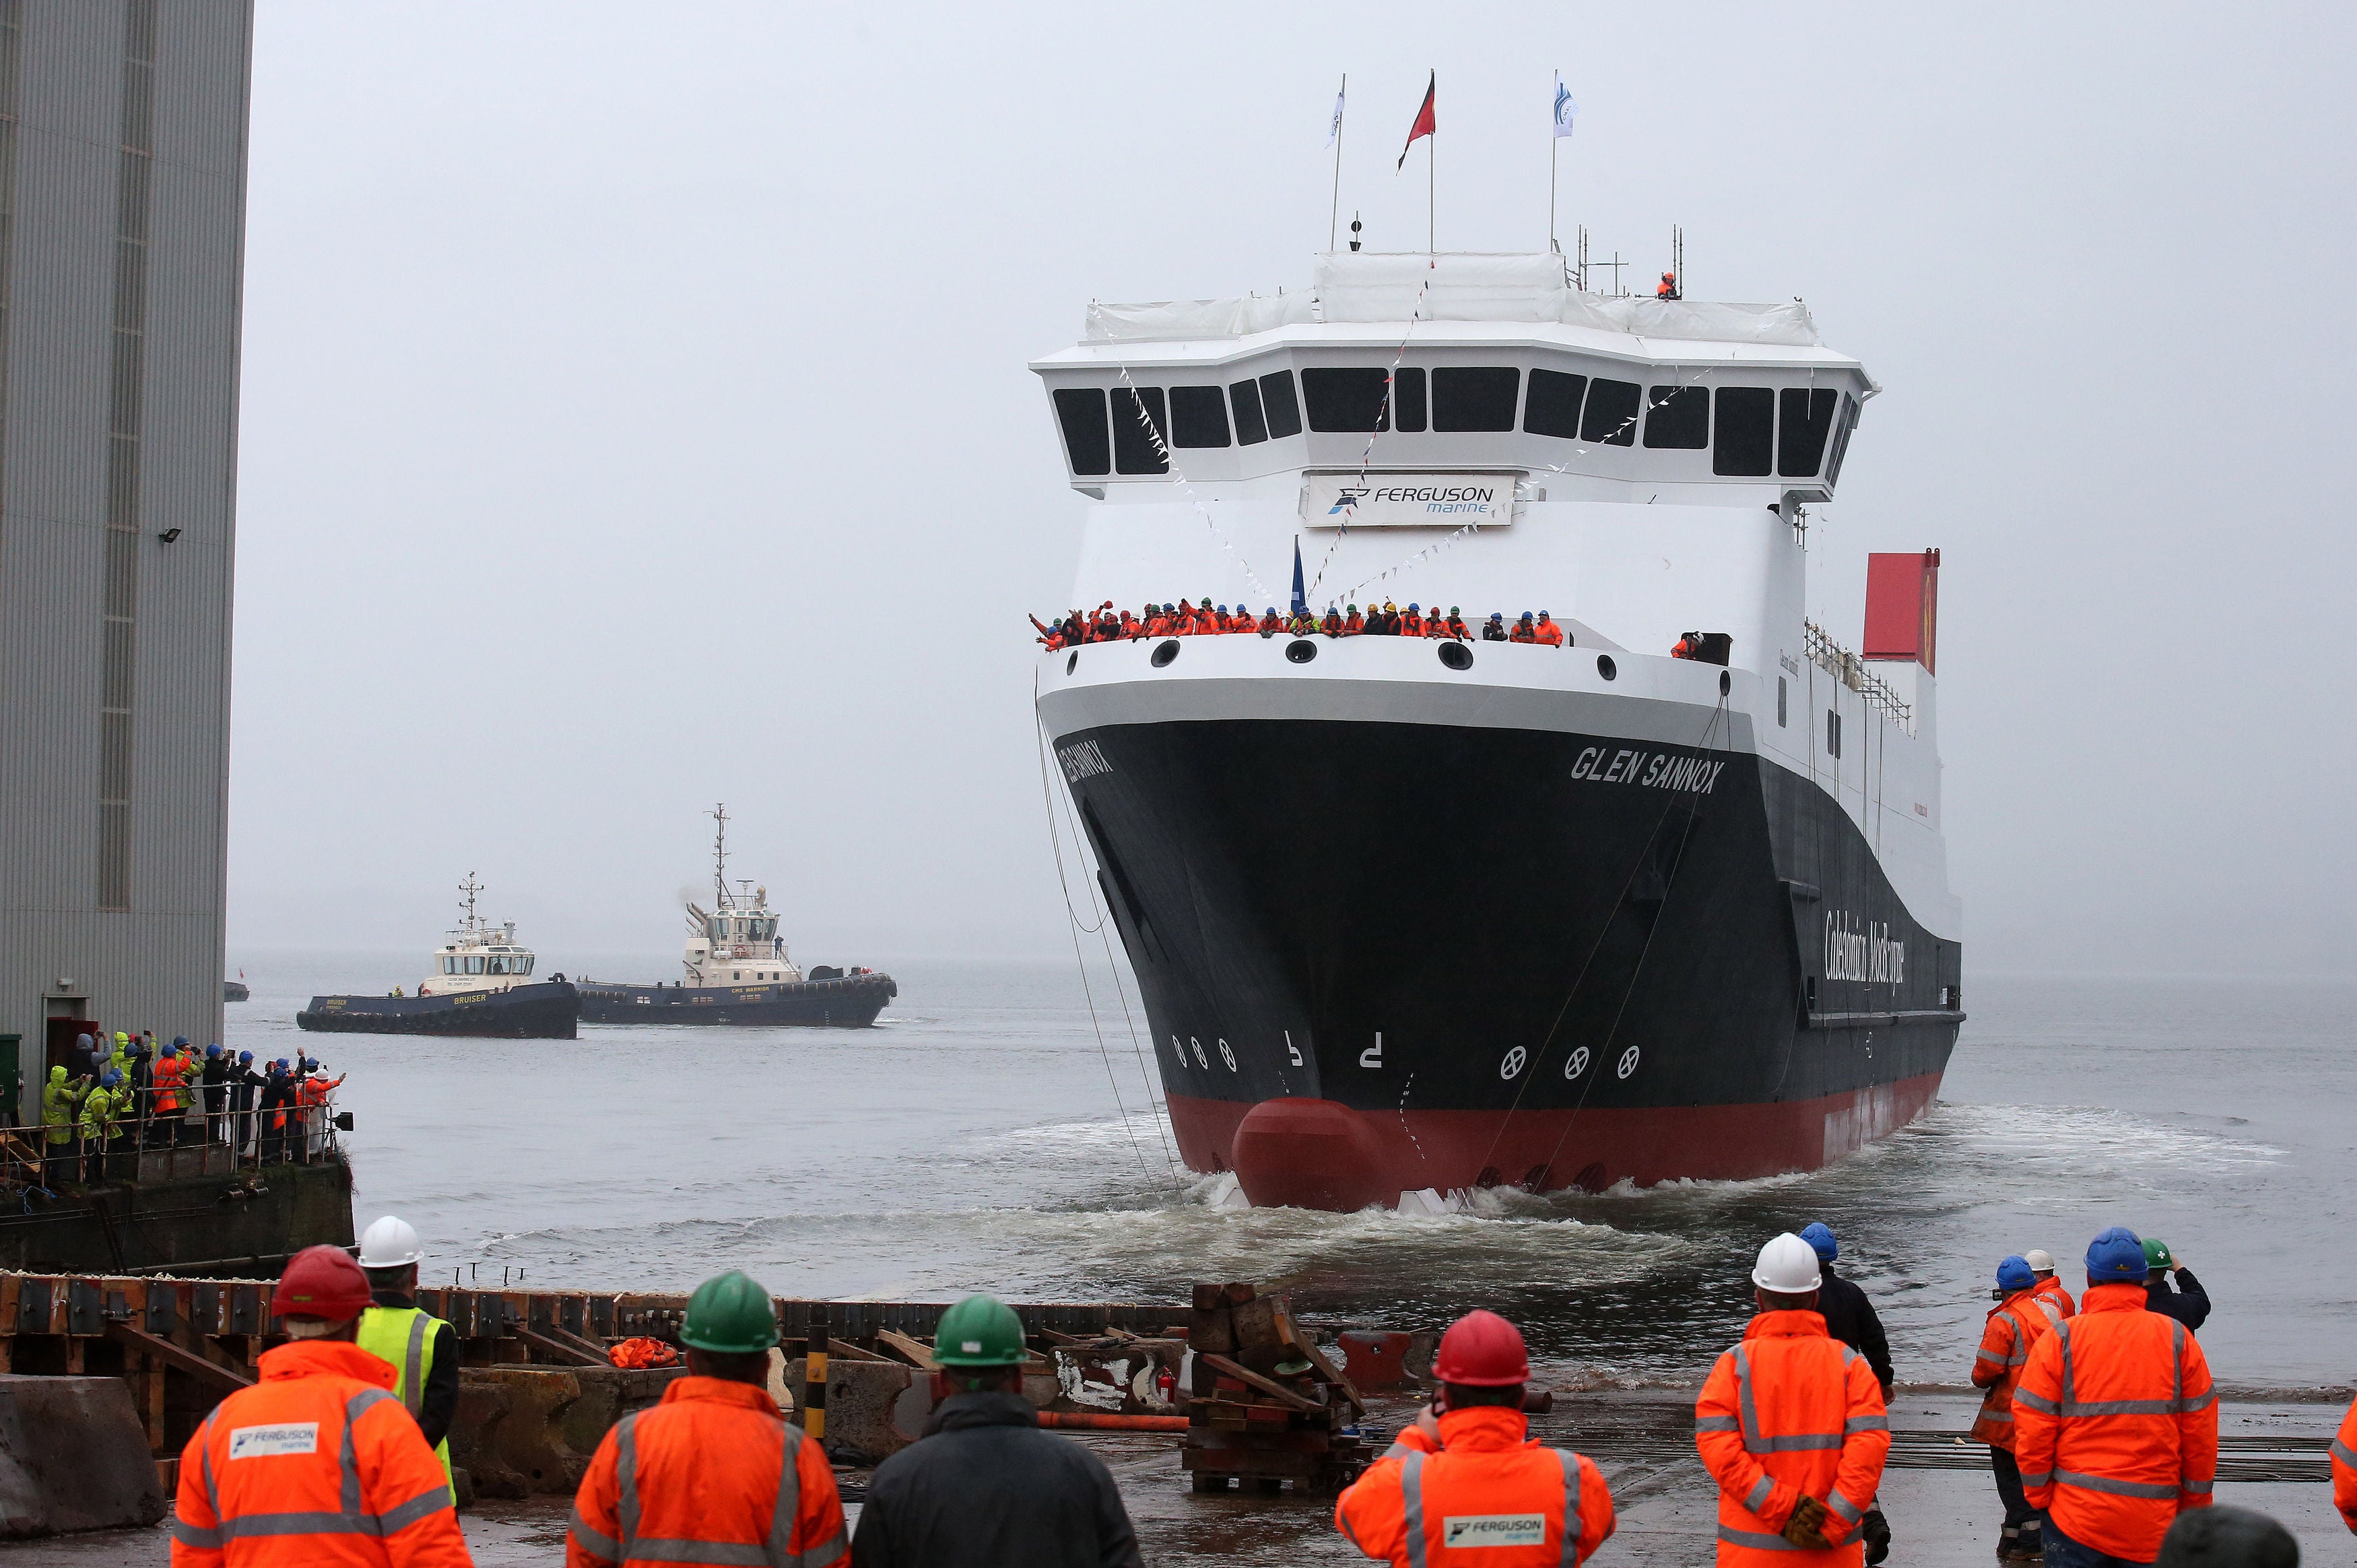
point(1300, 599)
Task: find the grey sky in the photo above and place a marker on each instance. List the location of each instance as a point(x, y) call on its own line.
point(635, 416)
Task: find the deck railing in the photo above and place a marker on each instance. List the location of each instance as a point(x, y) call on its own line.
point(1852, 671)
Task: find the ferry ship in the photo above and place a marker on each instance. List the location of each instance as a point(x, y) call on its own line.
point(1417, 914)
point(481, 985)
point(735, 969)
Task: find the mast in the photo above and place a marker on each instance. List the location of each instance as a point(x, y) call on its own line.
point(469, 886)
point(720, 857)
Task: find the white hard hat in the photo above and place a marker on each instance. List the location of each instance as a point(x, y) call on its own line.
point(389, 1243)
point(1788, 1266)
point(2040, 1259)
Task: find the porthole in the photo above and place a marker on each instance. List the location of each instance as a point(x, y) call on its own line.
point(1605, 667)
point(1300, 650)
point(1725, 684)
point(1457, 656)
point(1164, 651)
point(1072, 663)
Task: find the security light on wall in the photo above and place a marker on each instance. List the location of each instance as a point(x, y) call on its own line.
point(168, 535)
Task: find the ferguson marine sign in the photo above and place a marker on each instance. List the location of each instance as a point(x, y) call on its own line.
point(1406, 500)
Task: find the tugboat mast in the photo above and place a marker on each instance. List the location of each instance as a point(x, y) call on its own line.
point(469, 887)
point(719, 815)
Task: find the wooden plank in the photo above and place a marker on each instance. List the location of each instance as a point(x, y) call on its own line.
point(918, 1353)
point(1327, 1372)
point(171, 1355)
point(1266, 1385)
point(564, 1355)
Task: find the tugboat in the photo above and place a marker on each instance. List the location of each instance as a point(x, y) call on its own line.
point(481, 985)
point(737, 971)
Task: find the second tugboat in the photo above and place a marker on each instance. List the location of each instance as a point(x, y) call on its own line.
point(737, 970)
point(482, 986)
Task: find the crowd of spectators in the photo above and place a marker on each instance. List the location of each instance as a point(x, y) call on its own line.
point(1104, 624)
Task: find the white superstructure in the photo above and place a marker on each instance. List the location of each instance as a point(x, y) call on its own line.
point(479, 956)
point(1471, 431)
point(736, 942)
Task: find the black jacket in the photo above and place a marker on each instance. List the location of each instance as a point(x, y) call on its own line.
point(1849, 1317)
point(2189, 1303)
point(984, 1487)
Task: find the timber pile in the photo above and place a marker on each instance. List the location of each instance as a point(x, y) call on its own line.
point(1265, 1406)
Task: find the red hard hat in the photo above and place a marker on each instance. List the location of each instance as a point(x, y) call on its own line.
point(321, 1281)
point(1482, 1350)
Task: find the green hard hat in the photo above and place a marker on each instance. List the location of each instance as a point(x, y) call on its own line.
point(2156, 1252)
point(980, 1331)
point(730, 1316)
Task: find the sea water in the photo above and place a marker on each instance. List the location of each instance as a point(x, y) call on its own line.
point(996, 1131)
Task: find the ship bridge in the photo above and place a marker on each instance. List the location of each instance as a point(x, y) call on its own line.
point(1456, 362)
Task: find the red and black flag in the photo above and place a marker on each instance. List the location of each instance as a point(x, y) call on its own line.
point(1423, 122)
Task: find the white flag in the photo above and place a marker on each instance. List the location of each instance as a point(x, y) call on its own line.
point(1334, 126)
point(1565, 107)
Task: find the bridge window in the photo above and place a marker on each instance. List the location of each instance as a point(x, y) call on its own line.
point(1841, 438)
point(1347, 401)
point(1198, 417)
point(1251, 428)
point(1081, 412)
point(1746, 431)
point(1138, 420)
point(1611, 414)
point(1476, 397)
point(474, 964)
point(1553, 406)
point(1284, 409)
point(1408, 402)
point(1677, 418)
point(1808, 418)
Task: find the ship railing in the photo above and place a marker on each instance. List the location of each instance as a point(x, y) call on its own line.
point(1851, 671)
point(150, 1148)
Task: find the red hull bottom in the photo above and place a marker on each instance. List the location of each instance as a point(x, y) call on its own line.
point(1317, 1154)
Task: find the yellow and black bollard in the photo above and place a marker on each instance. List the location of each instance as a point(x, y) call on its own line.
point(815, 1377)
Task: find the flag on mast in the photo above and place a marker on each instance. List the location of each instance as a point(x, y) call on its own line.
point(1334, 126)
point(1565, 107)
point(1423, 125)
point(1301, 597)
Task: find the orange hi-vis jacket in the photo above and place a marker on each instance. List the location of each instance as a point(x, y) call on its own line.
point(713, 1474)
point(2344, 1469)
point(1550, 633)
point(1486, 1498)
point(2014, 1325)
point(2115, 1424)
point(316, 1466)
point(167, 1077)
point(1791, 1411)
point(2052, 1290)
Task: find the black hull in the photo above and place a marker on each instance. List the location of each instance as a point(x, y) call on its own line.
point(1493, 964)
point(850, 1002)
point(540, 1012)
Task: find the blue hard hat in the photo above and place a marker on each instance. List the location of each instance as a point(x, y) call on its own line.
point(212, 1050)
point(180, 1040)
point(311, 1061)
point(109, 1079)
point(171, 1050)
point(1411, 605)
point(2115, 1257)
point(245, 1055)
point(1820, 1237)
point(1526, 615)
point(2015, 1273)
